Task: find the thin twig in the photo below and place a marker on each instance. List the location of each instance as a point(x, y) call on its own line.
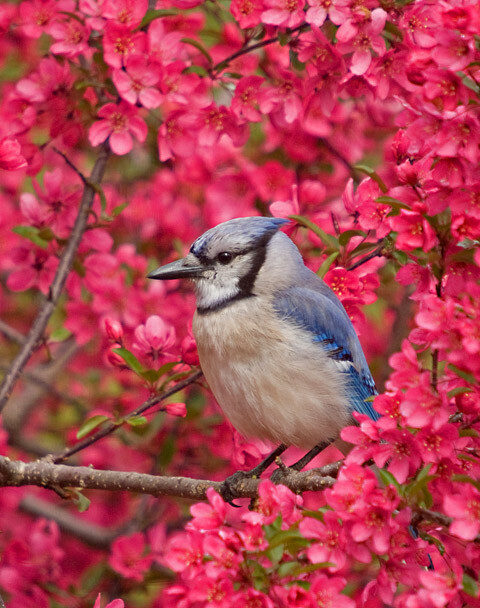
point(110, 427)
point(11, 333)
point(71, 165)
point(334, 152)
point(377, 252)
point(36, 332)
point(259, 45)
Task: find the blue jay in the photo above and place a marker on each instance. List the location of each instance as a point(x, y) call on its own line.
point(275, 344)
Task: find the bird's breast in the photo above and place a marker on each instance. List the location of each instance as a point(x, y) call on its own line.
point(268, 376)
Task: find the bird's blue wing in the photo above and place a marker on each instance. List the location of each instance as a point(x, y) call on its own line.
point(325, 319)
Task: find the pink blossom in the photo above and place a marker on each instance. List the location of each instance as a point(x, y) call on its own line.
point(37, 15)
point(11, 157)
point(247, 12)
point(136, 82)
point(119, 122)
point(176, 409)
point(285, 13)
point(437, 443)
point(401, 451)
point(320, 9)
point(154, 340)
point(128, 557)
point(34, 267)
point(125, 12)
point(361, 38)
point(209, 516)
point(71, 38)
point(120, 42)
point(330, 540)
point(215, 121)
point(245, 101)
point(464, 508)
point(113, 329)
point(183, 551)
point(326, 592)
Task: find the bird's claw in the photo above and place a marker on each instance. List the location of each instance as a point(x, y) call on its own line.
point(229, 486)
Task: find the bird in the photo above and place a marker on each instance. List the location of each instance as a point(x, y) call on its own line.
point(275, 344)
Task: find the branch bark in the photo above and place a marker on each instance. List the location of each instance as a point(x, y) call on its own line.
point(36, 332)
point(46, 474)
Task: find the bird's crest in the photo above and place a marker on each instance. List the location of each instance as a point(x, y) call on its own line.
point(240, 233)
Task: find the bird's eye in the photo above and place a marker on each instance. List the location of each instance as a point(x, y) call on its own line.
point(225, 257)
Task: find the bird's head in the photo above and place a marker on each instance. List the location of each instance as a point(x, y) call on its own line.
point(225, 261)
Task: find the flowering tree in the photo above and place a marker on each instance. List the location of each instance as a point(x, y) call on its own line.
point(127, 129)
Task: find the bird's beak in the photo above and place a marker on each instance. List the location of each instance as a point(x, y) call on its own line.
point(181, 269)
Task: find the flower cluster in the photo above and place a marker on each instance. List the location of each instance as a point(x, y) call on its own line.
point(359, 120)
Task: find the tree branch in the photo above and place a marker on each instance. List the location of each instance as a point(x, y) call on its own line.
point(110, 427)
point(36, 332)
point(46, 474)
point(88, 532)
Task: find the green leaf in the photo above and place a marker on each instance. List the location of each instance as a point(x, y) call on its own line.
point(150, 375)
point(196, 69)
point(289, 569)
point(153, 14)
point(434, 541)
point(313, 567)
point(393, 29)
point(313, 514)
point(275, 554)
point(423, 474)
point(470, 585)
point(392, 202)
point(389, 479)
point(327, 239)
point(470, 378)
point(460, 390)
point(90, 424)
point(130, 359)
point(468, 433)
point(346, 236)
point(295, 62)
point(60, 334)
point(136, 420)
point(81, 501)
point(283, 38)
point(199, 47)
point(373, 175)
point(281, 537)
point(119, 208)
point(401, 257)
point(31, 233)
point(466, 479)
point(325, 266)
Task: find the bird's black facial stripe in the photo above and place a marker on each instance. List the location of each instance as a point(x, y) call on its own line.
point(246, 282)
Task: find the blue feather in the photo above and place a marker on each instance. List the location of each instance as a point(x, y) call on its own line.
point(321, 314)
point(242, 233)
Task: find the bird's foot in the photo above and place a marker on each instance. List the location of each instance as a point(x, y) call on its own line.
point(281, 472)
point(229, 488)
